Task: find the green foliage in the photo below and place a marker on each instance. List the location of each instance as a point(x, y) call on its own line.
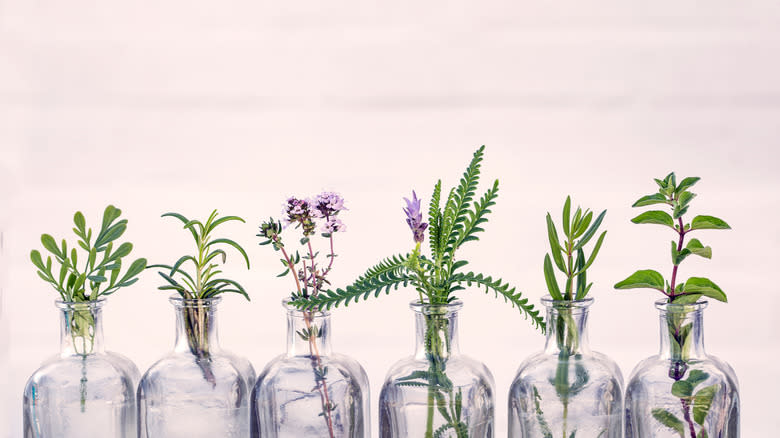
point(102, 264)
point(669, 420)
point(677, 197)
point(569, 256)
point(435, 278)
point(204, 282)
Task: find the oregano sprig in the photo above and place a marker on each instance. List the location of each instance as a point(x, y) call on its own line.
point(677, 197)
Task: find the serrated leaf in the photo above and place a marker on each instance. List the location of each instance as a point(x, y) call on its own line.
point(646, 278)
point(654, 217)
point(708, 223)
point(705, 287)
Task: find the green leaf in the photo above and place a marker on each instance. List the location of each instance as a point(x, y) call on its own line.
point(234, 245)
point(35, 257)
point(686, 298)
point(593, 254)
point(705, 287)
point(78, 219)
point(696, 247)
point(646, 278)
point(185, 221)
point(654, 217)
point(702, 402)
point(549, 277)
point(552, 236)
point(708, 223)
point(223, 219)
point(591, 231)
point(669, 420)
point(682, 388)
point(583, 225)
point(110, 214)
point(49, 243)
point(697, 376)
point(655, 198)
point(566, 216)
point(135, 268)
point(687, 183)
point(97, 278)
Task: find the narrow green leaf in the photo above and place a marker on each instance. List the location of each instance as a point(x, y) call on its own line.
point(591, 231)
point(594, 253)
point(705, 287)
point(655, 198)
point(81, 224)
point(35, 257)
point(654, 217)
point(708, 223)
point(49, 243)
point(566, 216)
point(646, 278)
point(234, 245)
point(135, 268)
point(549, 277)
point(552, 236)
point(97, 278)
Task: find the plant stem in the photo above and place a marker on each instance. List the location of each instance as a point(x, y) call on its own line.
point(687, 416)
point(317, 364)
point(681, 232)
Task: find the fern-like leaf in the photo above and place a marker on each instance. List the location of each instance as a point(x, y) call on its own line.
point(475, 218)
point(389, 274)
point(458, 203)
point(435, 221)
point(499, 287)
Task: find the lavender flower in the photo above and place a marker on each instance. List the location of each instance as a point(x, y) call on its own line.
point(298, 211)
point(327, 204)
point(414, 218)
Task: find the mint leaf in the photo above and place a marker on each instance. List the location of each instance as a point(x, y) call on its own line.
point(669, 420)
point(705, 287)
point(702, 402)
point(708, 223)
point(697, 248)
point(655, 198)
point(682, 388)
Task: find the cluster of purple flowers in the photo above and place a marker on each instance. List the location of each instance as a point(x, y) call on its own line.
point(326, 205)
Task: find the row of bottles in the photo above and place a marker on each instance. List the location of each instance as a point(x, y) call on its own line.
point(201, 390)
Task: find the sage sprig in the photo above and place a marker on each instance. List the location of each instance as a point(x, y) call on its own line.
point(677, 196)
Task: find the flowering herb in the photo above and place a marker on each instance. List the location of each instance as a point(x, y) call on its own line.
point(309, 276)
point(436, 279)
point(578, 229)
point(99, 275)
point(203, 283)
point(678, 197)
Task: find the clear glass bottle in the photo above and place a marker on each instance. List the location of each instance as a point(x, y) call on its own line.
point(567, 390)
point(85, 391)
point(438, 392)
point(310, 391)
point(199, 389)
point(682, 392)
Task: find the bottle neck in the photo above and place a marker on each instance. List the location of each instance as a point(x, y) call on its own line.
point(196, 326)
point(682, 334)
point(308, 333)
point(81, 328)
point(436, 330)
point(567, 324)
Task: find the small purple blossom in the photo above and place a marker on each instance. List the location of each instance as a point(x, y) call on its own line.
point(333, 225)
point(414, 218)
point(298, 211)
point(327, 204)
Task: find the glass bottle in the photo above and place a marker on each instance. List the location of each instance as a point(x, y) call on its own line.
point(682, 392)
point(310, 391)
point(85, 391)
point(199, 389)
point(567, 390)
point(438, 392)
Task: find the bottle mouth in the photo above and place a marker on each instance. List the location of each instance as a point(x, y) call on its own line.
point(80, 305)
point(665, 306)
point(183, 303)
point(551, 303)
point(294, 311)
point(435, 309)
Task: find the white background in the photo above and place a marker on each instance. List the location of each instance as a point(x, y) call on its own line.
point(190, 106)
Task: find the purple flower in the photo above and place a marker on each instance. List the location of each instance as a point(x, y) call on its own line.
point(327, 204)
point(414, 218)
point(333, 225)
point(298, 211)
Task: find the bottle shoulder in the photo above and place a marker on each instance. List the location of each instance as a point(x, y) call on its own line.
point(541, 367)
point(461, 369)
point(107, 369)
point(287, 365)
point(655, 369)
point(177, 365)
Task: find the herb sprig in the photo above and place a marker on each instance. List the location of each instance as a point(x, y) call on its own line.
point(102, 264)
